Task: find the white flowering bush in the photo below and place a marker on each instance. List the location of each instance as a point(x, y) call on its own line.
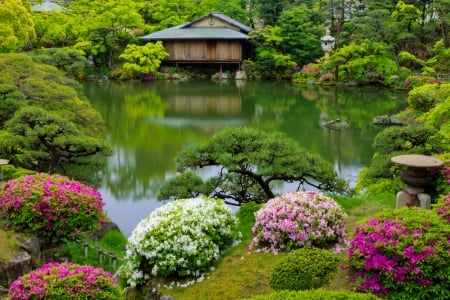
point(182, 238)
point(295, 220)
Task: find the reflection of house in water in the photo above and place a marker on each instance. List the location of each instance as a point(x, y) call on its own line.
point(204, 107)
point(220, 105)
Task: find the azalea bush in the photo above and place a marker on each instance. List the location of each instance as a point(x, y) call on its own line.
point(443, 207)
point(52, 206)
point(182, 238)
point(65, 281)
point(298, 219)
point(401, 254)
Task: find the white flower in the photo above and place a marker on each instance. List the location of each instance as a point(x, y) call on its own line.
point(180, 235)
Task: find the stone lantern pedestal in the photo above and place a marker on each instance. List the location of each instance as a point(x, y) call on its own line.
point(2, 163)
point(416, 177)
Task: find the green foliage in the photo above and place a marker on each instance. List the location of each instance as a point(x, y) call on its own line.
point(410, 139)
point(365, 62)
point(11, 99)
point(16, 25)
point(51, 206)
point(186, 185)
point(71, 61)
point(113, 242)
point(270, 60)
point(250, 162)
point(301, 29)
point(43, 140)
point(423, 98)
point(321, 294)
point(412, 82)
point(439, 62)
point(246, 218)
point(11, 172)
point(52, 116)
point(143, 59)
point(410, 61)
point(304, 269)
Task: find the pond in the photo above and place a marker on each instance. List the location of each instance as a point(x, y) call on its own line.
point(149, 123)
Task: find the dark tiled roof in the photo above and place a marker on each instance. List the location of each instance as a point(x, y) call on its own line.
point(196, 33)
point(187, 32)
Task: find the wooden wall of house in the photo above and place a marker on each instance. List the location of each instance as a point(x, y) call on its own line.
point(211, 50)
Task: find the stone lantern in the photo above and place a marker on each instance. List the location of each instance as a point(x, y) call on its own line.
point(416, 177)
point(327, 43)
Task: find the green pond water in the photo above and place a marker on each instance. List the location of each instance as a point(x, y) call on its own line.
point(149, 123)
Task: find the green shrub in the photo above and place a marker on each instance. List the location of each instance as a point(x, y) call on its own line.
point(304, 269)
point(319, 294)
point(423, 98)
point(412, 139)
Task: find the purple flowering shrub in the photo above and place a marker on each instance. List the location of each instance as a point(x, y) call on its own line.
point(65, 281)
point(50, 205)
point(401, 254)
point(298, 219)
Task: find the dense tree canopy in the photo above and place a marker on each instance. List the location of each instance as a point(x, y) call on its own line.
point(248, 164)
point(16, 25)
point(46, 123)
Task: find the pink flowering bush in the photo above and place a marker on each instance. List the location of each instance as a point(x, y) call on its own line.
point(298, 219)
point(65, 281)
point(52, 206)
point(401, 254)
point(443, 207)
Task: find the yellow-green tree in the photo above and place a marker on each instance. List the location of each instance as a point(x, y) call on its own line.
point(16, 25)
point(143, 59)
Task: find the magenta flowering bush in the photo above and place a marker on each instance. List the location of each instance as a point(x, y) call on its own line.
point(401, 254)
point(443, 207)
point(65, 281)
point(298, 219)
point(50, 205)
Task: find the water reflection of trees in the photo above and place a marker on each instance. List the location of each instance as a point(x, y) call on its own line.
point(149, 124)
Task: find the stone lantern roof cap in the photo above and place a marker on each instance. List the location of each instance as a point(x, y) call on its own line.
point(327, 37)
point(417, 161)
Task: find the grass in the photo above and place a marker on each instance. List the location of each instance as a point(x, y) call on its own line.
point(241, 275)
point(8, 245)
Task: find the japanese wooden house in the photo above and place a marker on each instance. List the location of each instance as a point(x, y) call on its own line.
point(212, 39)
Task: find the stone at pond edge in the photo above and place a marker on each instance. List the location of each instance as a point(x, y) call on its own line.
point(105, 228)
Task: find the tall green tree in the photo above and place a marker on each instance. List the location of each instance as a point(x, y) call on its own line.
point(108, 27)
point(301, 29)
point(270, 61)
point(16, 25)
point(249, 163)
